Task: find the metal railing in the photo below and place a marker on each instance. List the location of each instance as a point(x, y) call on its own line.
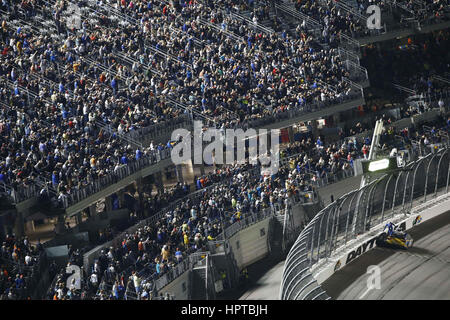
point(311, 22)
point(356, 213)
point(404, 89)
point(321, 179)
point(231, 35)
point(161, 129)
point(349, 43)
point(255, 26)
point(342, 5)
point(355, 86)
point(115, 176)
point(348, 55)
point(308, 107)
point(357, 73)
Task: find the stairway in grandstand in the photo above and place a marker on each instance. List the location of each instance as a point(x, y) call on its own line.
point(198, 284)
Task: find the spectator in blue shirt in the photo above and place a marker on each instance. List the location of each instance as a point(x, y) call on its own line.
point(138, 154)
point(55, 178)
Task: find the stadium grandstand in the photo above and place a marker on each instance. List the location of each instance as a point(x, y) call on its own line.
point(95, 96)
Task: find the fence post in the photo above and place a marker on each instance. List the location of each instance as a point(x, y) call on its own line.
point(318, 239)
point(384, 198)
point(448, 178)
point(406, 187)
point(348, 216)
point(326, 232)
point(336, 231)
point(414, 181)
point(312, 244)
point(426, 177)
point(333, 228)
point(368, 206)
point(395, 191)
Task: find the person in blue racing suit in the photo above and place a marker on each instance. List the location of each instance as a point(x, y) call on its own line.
point(390, 227)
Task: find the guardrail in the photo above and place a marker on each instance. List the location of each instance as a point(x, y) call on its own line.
point(405, 89)
point(115, 176)
point(354, 214)
point(304, 110)
point(162, 129)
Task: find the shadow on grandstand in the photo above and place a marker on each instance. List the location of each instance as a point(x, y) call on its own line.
point(255, 272)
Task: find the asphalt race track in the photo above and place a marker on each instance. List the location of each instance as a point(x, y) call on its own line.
point(422, 272)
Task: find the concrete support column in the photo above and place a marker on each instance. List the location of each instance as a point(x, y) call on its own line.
point(291, 134)
point(19, 225)
point(79, 218)
point(179, 172)
point(159, 181)
point(139, 185)
point(336, 119)
point(92, 211)
point(108, 203)
point(3, 228)
point(314, 130)
point(140, 197)
point(60, 224)
point(120, 197)
point(190, 168)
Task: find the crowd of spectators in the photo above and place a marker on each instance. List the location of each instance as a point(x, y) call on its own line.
point(108, 75)
point(343, 16)
point(333, 19)
point(127, 270)
point(226, 196)
point(424, 11)
point(426, 136)
point(68, 102)
point(19, 268)
point(315, 160)
point(69, 97)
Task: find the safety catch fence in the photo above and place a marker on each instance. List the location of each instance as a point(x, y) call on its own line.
point(355, 214)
